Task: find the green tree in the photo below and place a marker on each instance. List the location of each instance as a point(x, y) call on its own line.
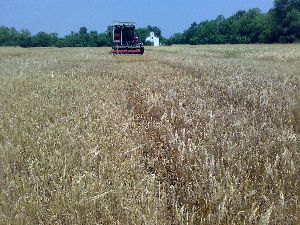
point(266, 28)
point(41, 39)
point(291, 31)
point(190, 33)
point(24, 39)
point(142, 34)
point(4, 35)
point(285, 15)
point(53, 39)
point(82, 31)
point(177, 38)
point(8, 36)
point(93, 39)
point(72, 40)
point(61, 42)
point(83, 37)
point(207, 33)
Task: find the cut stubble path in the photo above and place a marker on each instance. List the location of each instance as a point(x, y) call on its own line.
point(183, 134)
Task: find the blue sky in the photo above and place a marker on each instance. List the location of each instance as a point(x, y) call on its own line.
point(63, 16)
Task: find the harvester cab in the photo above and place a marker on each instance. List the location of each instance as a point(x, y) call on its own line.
point(125, 40)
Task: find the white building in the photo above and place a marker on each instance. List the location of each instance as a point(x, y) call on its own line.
point(153, 39)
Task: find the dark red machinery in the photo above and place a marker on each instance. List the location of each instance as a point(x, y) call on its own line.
point(125, 40)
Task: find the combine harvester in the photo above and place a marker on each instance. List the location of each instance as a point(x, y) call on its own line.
point(125, 40)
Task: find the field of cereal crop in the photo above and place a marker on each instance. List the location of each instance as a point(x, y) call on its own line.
point(180, 135)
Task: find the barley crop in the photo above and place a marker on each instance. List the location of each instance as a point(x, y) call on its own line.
point(180, 135)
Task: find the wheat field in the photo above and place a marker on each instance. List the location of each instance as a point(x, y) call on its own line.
point(180, 135)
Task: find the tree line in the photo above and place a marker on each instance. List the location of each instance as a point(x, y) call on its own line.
point(82, 38)
point(280, 25)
